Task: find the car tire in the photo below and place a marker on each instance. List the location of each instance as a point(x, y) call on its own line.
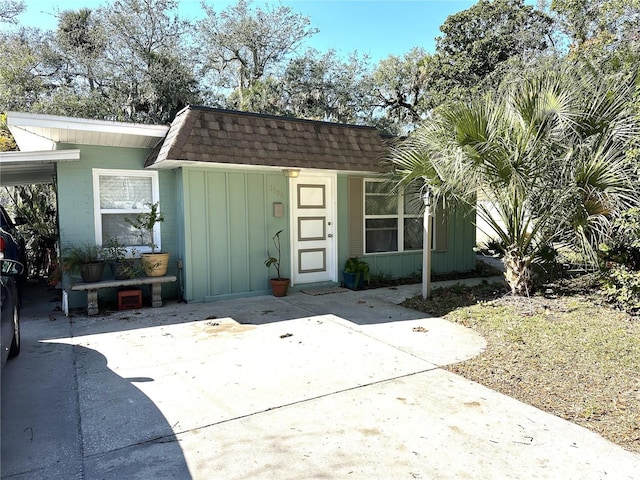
point(14, 349)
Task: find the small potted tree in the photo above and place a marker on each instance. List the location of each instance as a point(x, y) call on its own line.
point(155, 263)
point(279, 285)
point(85, 259)
point(355, 273)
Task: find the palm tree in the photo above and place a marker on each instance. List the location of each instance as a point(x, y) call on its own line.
point(543, 162)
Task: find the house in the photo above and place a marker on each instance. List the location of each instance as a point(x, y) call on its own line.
point(227, 181)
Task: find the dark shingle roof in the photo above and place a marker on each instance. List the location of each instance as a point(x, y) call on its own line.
point(204, 134)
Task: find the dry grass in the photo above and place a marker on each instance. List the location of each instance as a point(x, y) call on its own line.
point(564, 351)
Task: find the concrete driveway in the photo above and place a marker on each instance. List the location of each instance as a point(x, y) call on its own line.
point(338, 385)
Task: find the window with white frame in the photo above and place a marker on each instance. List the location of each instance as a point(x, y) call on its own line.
point(392, 220)
point(121, 194)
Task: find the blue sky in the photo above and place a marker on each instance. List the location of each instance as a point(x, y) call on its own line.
point(377, 27)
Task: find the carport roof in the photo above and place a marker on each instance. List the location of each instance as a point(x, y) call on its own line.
point(208, 135)
point(20, 168)
point(39, 137)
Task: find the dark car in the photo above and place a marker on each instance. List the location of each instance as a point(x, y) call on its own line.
point(12, 245)
point(10, 270)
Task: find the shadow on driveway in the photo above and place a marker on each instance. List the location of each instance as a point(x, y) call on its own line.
point(67, 415)
point(345, 385)
point(364, 307)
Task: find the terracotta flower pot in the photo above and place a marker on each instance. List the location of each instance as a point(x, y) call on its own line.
point(279, 286)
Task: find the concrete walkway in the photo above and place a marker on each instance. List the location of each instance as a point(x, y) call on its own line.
point(339, 385)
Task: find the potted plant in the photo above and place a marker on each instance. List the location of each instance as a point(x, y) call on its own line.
point(84, 258)
point(54, 274)
point(279, 285)
point(122, 267)
point(155, 263)
point(355, 273)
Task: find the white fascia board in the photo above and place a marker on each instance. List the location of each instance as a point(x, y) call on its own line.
point(25, 120)
point(49, 156)
point(171, 164)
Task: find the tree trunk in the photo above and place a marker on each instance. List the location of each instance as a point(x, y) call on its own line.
point(518, 273)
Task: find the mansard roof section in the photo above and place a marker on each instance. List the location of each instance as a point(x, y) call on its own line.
point(216, 136)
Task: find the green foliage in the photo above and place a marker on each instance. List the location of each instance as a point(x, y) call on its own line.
point(323, 86)
point(359, 267)
point(623, 246)
point(621, 261)
point(477, 41)
point(79, 33)
point(600, 32)
point(621, 286)
point(400, 86)
point(26, 68)
point(149, 67)
point(383, 278)
point(145, 223)
point(264, 96)
point(113, 251)
point(7, 143)
point(139, 60)
point(125, 61)
point(546, 155)
point(122, 267)
point(35, 206)
point(492, 247)
point(243, 44)
point(275, 261)
point(75, 257)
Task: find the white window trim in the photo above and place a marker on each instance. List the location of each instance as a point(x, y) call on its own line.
point(97, 212)
point(400, 215)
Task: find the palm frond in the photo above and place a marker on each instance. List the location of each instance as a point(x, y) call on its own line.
point(547, 154)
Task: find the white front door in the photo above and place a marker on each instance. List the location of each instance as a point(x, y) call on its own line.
point(313, 228)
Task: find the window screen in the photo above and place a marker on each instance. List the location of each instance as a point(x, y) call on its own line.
point(122, 192)
point(123, 195)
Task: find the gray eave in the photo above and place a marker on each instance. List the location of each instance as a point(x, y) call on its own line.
point(20, 168)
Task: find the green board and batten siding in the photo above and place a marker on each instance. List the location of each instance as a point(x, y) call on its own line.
point(456, 256)
point(218, 200)
point(454, 238)
point(229, 223)
point(219, 223)
point(75, 203)
point(228, 226)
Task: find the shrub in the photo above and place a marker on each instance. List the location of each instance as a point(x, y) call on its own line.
point(621, 286)
point(621, 261)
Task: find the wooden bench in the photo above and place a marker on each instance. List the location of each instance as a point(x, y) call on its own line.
point(93, 287)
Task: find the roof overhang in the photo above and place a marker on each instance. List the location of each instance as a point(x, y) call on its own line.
point(173, 164)
point(37, 132)
point(20, 168)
